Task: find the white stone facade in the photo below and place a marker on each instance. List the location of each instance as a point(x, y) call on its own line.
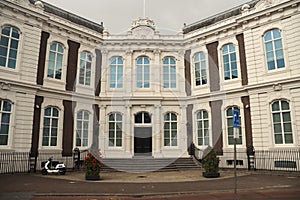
point(253, 87)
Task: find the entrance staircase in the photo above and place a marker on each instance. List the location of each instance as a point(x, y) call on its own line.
point(141, 164)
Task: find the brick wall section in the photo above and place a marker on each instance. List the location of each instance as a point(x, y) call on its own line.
point(42, 58)
point(68, 129)
point(213, 63)
point(72, 65)
point(36, 125)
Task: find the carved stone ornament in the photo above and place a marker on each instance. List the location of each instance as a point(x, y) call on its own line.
point(266, 3)
point(277, 87)
point(21, 2)
point(5, 86)
point(143, 28)
point(39, 5)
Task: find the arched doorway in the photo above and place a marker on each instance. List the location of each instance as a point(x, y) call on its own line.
point(142, 134)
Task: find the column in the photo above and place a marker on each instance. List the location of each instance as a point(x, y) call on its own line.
point(102, 139)
point(186, 128)
point(128, 73)
point(157, 130)
point(104, 68)
point(128, 133)
point(156, 73)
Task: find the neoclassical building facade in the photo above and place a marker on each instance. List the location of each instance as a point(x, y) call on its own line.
point(67, 83)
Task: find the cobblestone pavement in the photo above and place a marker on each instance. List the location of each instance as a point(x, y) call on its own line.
point(150, 186)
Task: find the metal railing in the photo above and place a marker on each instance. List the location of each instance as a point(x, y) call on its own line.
point(271, 160)
point(14, 162)
point(278, 159)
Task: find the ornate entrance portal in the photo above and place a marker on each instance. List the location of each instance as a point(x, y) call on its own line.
point(142, 135)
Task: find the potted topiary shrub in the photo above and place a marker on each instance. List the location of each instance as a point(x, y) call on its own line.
point(210, 163)
point(92, 166)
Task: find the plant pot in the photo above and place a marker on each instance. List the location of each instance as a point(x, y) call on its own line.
point(210, 175)
point(92, 177)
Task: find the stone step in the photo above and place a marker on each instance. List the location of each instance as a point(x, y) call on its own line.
point(147, 164)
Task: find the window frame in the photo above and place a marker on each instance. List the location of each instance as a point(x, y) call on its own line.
point(230, 62)
point(282, 122)
point(10, 113)
point(273, 51)
point(55, 68)
point(116, 124)
point(50, 136)
point(203, 128)
point(9, 47)
point(143, 118)
point(201, 59)
point(83, 63)
point(118, 82)
point(168, 73)
point(229, 126)
point(82, 120)
point(169, 130)
point(144, 75)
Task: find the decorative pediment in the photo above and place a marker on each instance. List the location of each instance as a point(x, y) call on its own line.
point(263, 4)
point(143, 28)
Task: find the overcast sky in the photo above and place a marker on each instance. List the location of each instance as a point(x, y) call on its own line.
point(168, 15)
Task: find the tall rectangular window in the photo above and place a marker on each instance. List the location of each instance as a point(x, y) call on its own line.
point(82, 130)
point(116, 72)
point(169, 67)
point(200, 69)
point(50, 126)
point(9, 44)
point(170, 130)
point(229, 62)
point(274, 49)
point(115, 130)
point(230, 129)
point(55, 61)
point(203, 128)
point(85, 68)
point(143, 72)
point(282, 123)
point(5, 115)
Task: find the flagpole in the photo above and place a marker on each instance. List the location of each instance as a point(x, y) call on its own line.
point(144, 9)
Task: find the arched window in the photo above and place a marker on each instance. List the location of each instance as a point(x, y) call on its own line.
point(85, 68)
point(115, 130)
point(229, 120)
point(203, 128)
point(5, 115)
point(143, 72)
point(200, 69)
point(282, 123)
point(170, 129)
point(82, 130)
point(50, 126)
point(9, 44)
point(229, 62)
point(116, 72)
point(55, 61)
point(274, 49)
point(169, 67)
point(142, 118)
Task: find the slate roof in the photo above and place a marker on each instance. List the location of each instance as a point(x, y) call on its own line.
point(216, 18)
point(71, 17)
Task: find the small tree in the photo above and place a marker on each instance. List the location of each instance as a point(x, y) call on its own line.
point(92, 165)
point(210, 162)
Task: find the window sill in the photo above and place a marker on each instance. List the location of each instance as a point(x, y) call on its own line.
point(230, 81)
point(9, 70)
point(276, 71)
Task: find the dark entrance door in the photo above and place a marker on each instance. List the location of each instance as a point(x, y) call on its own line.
point(143, 141)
